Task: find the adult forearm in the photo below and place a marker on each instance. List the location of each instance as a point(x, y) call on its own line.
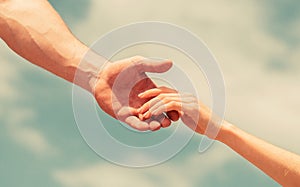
point(281, 165)
point(35, 31)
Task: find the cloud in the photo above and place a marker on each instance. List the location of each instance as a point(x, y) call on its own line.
point(18, 119)
point(102, 175)
point(261, 71)
point(195, 167)
point(262, 97)
point(259, 67)
point(71, 12)
point(18, 125)
point(8, 73)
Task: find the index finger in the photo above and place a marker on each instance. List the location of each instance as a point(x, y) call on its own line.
point(156, 91)
point(150, 93)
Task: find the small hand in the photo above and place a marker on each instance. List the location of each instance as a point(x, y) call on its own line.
point(194, 114)
point(118, 87)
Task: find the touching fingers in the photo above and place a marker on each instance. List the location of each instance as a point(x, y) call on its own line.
point(147, 105)
point(164, 121)
point(169, 101)
point(150, 93)
point(164, 94)
point(154, 101)
point(137, 124)
point(156, 91)
point(173, 105)
point(158, 121)
point(154, 125)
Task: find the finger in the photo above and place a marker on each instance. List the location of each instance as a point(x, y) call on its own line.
point(156, 91)
point(165, 101)
point(147, 105)
point(154, 66)
point(165, 122)
point(167, 107)
point(152, 102)
point(159, 121)
point(154, 125)
point(137, 124)
point(150, 93)
point(174, 115)
point(124, 112)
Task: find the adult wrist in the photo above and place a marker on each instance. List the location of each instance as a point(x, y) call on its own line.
point(87, 69)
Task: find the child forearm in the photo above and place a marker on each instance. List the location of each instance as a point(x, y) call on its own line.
point(281, 165)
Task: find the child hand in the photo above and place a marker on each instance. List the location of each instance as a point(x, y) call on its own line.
point(166, 99)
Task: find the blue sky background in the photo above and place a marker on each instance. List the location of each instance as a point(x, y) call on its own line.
point(257, 44)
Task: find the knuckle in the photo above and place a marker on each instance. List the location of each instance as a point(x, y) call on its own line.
point(166, 100)
point(172, 103)
point(178, 104)
point(160, 96)
point(137, 64)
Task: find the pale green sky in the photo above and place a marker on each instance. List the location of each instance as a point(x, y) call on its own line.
point(257, 45)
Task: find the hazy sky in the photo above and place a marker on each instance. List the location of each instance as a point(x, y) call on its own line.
point(257, 45)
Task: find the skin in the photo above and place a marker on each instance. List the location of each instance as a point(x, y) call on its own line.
point(283, 166)
point(35, 31)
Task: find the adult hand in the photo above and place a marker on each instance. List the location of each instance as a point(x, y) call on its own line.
point(43, 38)
point(118, 86)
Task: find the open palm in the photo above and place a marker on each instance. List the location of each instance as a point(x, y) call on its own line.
point(119, 85)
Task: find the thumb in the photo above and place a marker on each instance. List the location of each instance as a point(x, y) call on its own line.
point(154, 66)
